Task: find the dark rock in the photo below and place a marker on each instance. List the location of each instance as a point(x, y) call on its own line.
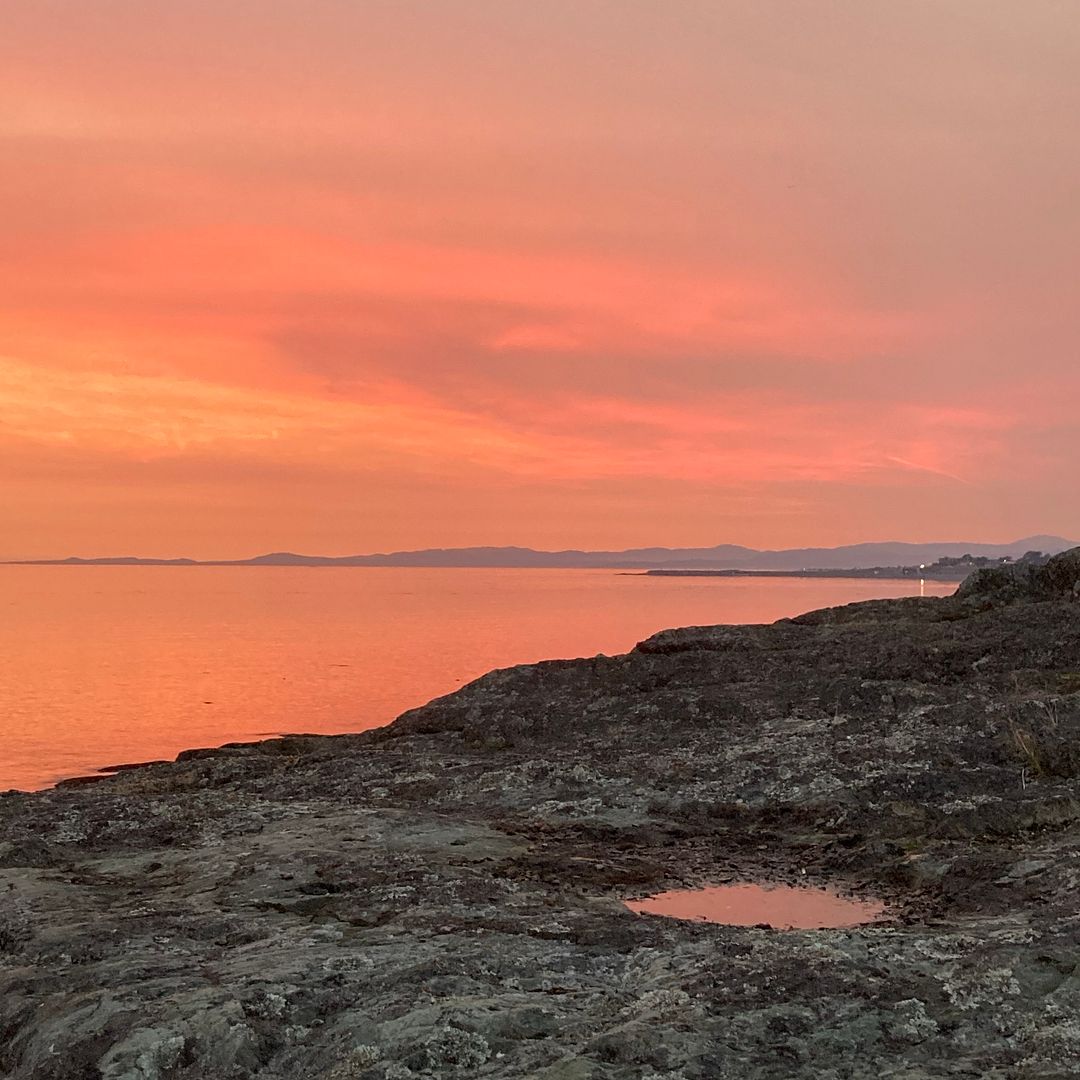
point(1058, 578)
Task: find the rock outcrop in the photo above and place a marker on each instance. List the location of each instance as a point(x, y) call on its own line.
point(443, 897)
point(1059, 578)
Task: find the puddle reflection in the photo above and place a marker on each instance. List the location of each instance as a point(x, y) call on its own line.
point(782, 907)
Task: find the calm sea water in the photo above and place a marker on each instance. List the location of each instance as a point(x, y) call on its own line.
point(104, 665)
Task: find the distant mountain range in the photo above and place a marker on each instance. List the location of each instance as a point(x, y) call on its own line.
point(721, 557)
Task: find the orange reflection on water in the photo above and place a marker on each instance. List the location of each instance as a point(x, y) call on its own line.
point(107, 664)
point(782, 907)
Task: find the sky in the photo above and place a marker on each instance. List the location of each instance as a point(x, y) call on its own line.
point(342, 276)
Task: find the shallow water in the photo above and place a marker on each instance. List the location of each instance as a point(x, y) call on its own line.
point(107, 664)
point(783, 907)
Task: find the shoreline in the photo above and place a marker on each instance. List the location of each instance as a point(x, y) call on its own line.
point(116, 713)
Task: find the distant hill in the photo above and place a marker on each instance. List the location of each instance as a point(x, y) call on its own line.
point(720, 557)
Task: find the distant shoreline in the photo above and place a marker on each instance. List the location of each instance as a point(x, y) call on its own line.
point(873, 560)
point(883, 573)
point(896, 573)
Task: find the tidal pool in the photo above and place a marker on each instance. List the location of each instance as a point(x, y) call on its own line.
point(782, 907)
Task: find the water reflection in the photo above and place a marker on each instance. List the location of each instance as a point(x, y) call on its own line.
point(100, 664)
point(782, 907)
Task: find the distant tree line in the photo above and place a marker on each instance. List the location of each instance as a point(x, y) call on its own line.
point(977, 562)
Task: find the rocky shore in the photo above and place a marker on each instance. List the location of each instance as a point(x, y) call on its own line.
point(444, 897)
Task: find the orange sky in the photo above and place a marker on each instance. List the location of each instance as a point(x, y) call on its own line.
point(353, 275)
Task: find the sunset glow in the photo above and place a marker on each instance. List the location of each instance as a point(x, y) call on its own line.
point(340, 277)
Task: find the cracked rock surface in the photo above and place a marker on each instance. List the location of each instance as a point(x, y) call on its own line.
point(443, 897)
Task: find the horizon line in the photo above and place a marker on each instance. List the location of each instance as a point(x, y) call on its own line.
point(283, 553)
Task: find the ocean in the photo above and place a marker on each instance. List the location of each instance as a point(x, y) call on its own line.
point(104, 665)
